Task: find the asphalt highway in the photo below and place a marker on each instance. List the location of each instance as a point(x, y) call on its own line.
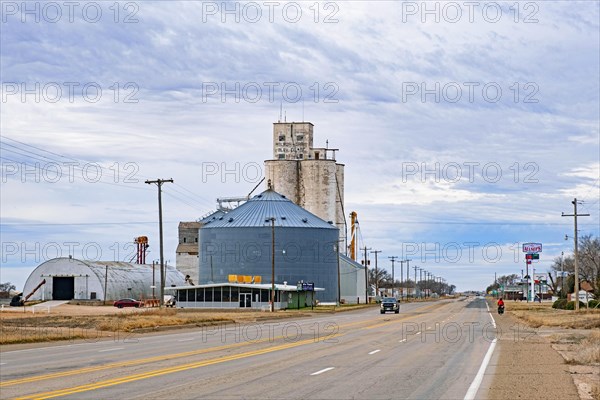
point(432, 350)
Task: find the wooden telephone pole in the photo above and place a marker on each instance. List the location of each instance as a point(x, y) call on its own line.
point(159, 183)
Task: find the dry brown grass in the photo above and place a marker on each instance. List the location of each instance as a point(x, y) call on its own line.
point(9, 335)
point(590, 352)
point(596, 392)
point(536, 315)
point(27, 327)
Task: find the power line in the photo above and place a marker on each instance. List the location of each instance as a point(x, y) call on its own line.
point(26, 152)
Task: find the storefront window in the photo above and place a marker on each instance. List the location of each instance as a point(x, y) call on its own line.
point(226, 294)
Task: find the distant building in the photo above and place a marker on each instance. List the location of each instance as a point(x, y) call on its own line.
point(188, 249)
point(186, 259)
point(352, 281)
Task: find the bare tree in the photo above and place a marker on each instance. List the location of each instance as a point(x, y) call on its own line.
point(5, 289)
point(589, 262)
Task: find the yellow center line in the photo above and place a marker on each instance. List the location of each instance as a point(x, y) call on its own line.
point(152, 359)
point(162, 371)
point(192, 353)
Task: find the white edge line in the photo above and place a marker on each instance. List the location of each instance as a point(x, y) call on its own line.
point(493, 321)
point(186, 340)
point(403, 340)
point(374, 351)
point(321, 371)
point(479, 377)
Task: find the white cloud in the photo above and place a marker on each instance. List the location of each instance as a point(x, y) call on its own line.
point(547, 151)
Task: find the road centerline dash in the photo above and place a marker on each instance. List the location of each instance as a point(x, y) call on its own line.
point(322, 371)
point(113, 349)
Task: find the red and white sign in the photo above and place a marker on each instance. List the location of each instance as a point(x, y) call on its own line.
point(532, 247)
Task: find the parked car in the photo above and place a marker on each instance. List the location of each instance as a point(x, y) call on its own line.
point(127, 303)
point(389, 304)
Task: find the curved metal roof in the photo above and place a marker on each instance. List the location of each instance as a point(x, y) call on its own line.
point(257, 212)
point(123, 279)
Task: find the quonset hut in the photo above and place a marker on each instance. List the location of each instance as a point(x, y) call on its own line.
point(70, 278)
point(240, 243)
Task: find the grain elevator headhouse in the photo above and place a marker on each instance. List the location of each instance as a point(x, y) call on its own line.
point(307, 175)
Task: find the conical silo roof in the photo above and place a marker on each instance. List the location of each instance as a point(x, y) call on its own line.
point(258, 211)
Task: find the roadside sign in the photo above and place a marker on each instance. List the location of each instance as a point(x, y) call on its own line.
point(532, 256)
point(532, 247)
point(308, 287)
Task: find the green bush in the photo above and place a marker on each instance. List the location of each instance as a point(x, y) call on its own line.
point(571, 305)
point(560, 304)
point(594, 304)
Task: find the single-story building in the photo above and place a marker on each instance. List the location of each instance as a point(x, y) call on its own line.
point(243, 295)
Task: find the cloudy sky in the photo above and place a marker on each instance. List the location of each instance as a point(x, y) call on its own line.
point(466, 129)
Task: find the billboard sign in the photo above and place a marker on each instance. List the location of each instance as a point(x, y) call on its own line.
point(532, 247)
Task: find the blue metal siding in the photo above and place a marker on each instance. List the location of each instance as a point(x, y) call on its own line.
point(309, 255)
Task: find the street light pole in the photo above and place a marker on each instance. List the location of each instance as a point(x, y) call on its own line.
point(339, 293)
point(272, 219)
point(366, 276)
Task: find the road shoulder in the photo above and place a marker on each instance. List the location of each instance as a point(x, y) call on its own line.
point(525, 366)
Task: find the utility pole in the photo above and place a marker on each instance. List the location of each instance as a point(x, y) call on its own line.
point(401, 274)
point(575, 215)
point(366, 275)
point(496, 283)
point(159, 183)
point(415, 267)
point(392, 259)
point(407, 261)
point(376, 273)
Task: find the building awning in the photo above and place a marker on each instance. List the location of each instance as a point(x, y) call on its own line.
point(266, 286)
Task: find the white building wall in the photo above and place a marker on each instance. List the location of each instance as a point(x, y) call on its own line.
point(318, 188)
point(188, 264)
point(283, 176)
point(339, 199)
